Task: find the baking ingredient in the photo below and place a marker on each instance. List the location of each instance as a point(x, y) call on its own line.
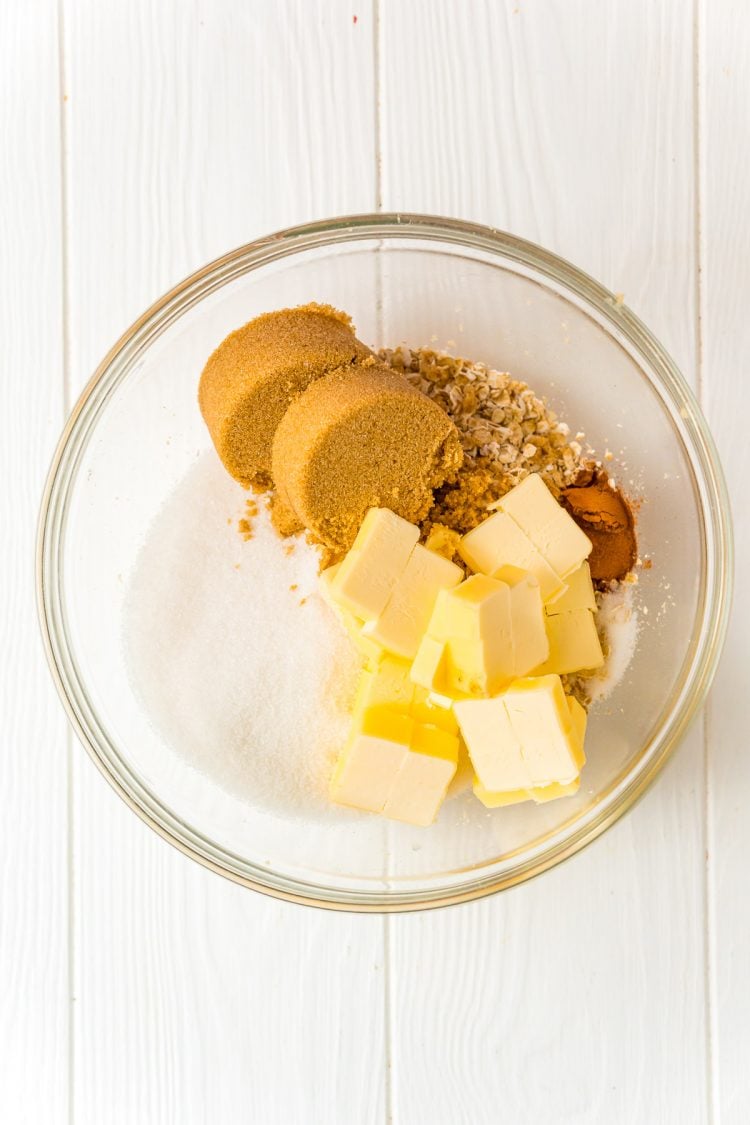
point(482, 634)
point(559, 540)
point(249, 381)
point(353, 625)
point(498, 542)
point(617, 624)
point(605, 516)
point(249, 686)
point(506, 433)
point(579, 593)
point(359, 438)
point(395, 761)
point(366, 577)
point(530, 531)
point(386, 683)
point(573, 644)
point(530, 644)
point(401, 624)
point(526, 738)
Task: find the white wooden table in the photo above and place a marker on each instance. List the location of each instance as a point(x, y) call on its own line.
point(139, 139)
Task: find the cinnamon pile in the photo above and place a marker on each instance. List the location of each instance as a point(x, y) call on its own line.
point(603, 513)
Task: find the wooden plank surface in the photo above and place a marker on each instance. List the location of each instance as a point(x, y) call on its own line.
point(34, 1068)
point(192, 129)
point(613, 989)
point(564, 1000)
point(725, 134)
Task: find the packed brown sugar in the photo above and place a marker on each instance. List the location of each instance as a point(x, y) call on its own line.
point(250, 380)
point(358, 438)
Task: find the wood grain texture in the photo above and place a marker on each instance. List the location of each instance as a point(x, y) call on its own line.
point(726, 346)
point(33, 754)
point(564, 1000)
point(193, 128)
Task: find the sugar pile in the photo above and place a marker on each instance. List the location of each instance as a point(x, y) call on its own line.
point(617, 622)
point(241, 667)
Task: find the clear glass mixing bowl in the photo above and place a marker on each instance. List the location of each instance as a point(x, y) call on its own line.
point(135, 433)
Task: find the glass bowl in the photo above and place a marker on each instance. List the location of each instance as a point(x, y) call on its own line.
point(136, 433)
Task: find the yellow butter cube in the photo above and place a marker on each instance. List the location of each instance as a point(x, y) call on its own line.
point(367, 648)
point(468, 647)
point(540, 796)
point(530, 644)
point(499, 800)
point(578, 595)
point(368, 574)
point(387, 684)
point(422, 781)
point(500, 542)
point(524, 739)
point(543, 793)
point(402, 752)
point(574, 643)
point(369, 762)
point(540, 715)
point(554, 533)
point(400, 625)
point(496, 752)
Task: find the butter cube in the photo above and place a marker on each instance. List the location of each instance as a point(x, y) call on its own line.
point(367, 648)
point(573, 643)
point(499, 542)
point(540, 795)
point(578, 595)
point(423, 779)
point(400, 625)
point(388, 685)
point(556, 536)
point(369, 762)
point(368, 574)
point(527, 619)
point(468, 647)
point(493, 799)
point(524, 739)
point(496, 752)
point(540, 716)
point(402, 752)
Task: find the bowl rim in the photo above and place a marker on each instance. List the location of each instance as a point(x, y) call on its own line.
point(395, 225)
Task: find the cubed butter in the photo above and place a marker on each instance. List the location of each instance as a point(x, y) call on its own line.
point(369, 762)
point(578, 595)
point(530, 644)
point(574, 644)
point(422, 781)
point(402, 622)
point(500, 542)
point(387, 684)
point(524, 739)
point(496, 752)
point(540, 795)
point(402, 752)
point(367, 648)
point(556, 536)
point(543, 793)
point(468, 647)
point(368, 574)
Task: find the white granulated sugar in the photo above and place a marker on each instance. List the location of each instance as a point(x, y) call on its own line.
point(617, 622)
point(243, 681)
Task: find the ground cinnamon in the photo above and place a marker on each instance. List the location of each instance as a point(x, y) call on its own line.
point(605, 515)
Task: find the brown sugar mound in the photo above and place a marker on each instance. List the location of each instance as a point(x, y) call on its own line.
point(604, 514)
point(254, 374)
point(356, 439)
